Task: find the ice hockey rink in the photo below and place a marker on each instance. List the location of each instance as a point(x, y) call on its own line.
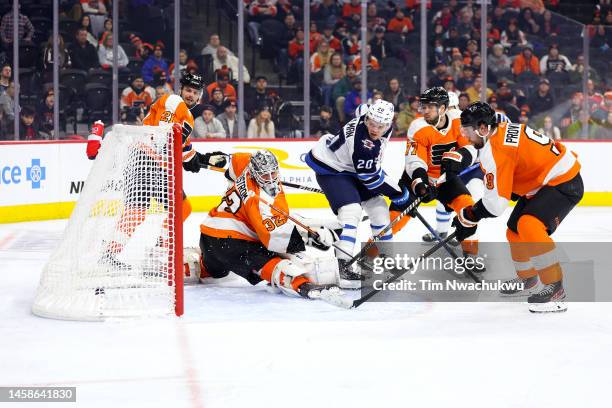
point(241, 346)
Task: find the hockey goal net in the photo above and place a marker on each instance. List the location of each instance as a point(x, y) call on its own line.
point(122, 246)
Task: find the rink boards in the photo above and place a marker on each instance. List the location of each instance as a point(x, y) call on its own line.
point(43, 180)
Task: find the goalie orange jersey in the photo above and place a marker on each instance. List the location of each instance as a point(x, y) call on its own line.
point(518, 160)
point(426, 144)
point(172, 109)
point(241, 215)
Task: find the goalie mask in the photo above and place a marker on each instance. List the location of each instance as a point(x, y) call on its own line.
point(264, 169)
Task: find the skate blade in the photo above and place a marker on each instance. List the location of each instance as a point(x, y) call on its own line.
point(523, 293)
point(549, 307)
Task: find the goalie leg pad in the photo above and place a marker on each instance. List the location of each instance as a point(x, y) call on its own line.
point(320, 271)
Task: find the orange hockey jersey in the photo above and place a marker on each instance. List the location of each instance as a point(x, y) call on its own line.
point(172, 109)
point(241, 215)
point(517, 159)
point(426, 144)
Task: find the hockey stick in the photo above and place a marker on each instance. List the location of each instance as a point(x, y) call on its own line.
point(399, 274)
point(450, 251)
point(377, 238)
point(301, 187)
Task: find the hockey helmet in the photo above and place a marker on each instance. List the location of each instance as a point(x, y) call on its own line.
point(192, 80)
point(381, 112)
point(476, 114)
point(264, 169)
point(362, 110)
point(436, 96)
point(453, 99)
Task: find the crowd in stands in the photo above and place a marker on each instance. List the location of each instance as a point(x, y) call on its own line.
point(535, 60)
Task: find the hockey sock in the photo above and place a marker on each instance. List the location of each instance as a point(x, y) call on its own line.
point(541, 248)
point(520, 256)
point(443, 218)
point(349, 217)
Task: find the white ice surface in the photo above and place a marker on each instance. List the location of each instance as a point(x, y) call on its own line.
point(240, 346)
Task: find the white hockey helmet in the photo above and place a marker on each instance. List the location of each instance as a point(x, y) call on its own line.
point(362, 110)
point(381, 112)
point(264, 169)
point(453, 100)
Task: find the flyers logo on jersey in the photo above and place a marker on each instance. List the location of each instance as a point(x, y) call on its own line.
point(512, 135)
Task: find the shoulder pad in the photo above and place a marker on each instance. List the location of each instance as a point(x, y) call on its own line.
point(415, 126)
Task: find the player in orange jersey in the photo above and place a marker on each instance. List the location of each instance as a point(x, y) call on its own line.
point(520, 163)
point(246, 236)
point(430, 138)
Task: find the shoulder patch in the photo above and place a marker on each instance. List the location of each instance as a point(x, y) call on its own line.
point(512, 134)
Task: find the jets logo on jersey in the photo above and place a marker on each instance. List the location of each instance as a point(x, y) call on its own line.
point(368, 144)
point(512, 135)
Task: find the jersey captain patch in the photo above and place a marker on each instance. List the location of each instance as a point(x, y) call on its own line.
point(512, 135)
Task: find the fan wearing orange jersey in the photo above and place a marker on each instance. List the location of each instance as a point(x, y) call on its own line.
point(520, 163)
point(246, 236)
point(429, 138)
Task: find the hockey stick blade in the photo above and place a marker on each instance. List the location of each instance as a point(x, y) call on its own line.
point(399, 274)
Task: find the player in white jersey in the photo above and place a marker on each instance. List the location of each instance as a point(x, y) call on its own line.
point(348, 169)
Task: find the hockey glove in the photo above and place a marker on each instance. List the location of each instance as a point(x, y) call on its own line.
point(217, 159)
point(401, 199)
point(94, 139)
point(324, 239)
point(455, 161)
point(465, 223)
point(421, 187)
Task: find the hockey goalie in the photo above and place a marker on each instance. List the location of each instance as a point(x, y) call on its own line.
point(245, 235)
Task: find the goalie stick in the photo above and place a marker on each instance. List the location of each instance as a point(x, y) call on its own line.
point(399, 273)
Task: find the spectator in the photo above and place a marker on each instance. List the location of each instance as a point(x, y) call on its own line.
point(96, 10)
point(142, 50)
point(350, 45)
point(108, 27)
point(449, 85)
point(105, 54)
point(320, 59)
point(381, 48)
point(394, 93)
point(213, 43)
point(132, 115)
point(327, 12)
point(350, 8)
point(374, 20)
point(160, 90)
point(29, 128)
point(573, 112)
point(261, 126)
point(512, 37)
point(493, 34)
point(605, 130)
point(600, 114)
point(257, 96)
point(554, 62)
point(453, 41)
point(229, 120)
point(259, 11)
point(26, 29)
point(82, 52)
point(315, 35)
point(328, 36)
point(288, 7)
point(528, 23)
point(223, 59)
point(327, 123)
point(523, 118)
point(86, 25)
point(465, 24)
point(155, 62)
point(353, 99)
point(333, 72)
point(206, 126)
point(186, 64)
point(5, 77)
point(577, 71)
point(467, 79)
point(599, 39)
point(477, 62)
point(409, 111)
point(372, 61)
point(499, 63)
point(464, 101)
point(65, 61)
point(7, 103)
point(161, 79)
point(341, 89)
point(583, 128)
point(456, 67)
point(595, 99)
point(223, 77)
point(476, 88)
point(400, 23)
point(45, 113)
point(137, 94)
point(217, 101)
point(549, 129)
point(549, 27)
point(526, 62)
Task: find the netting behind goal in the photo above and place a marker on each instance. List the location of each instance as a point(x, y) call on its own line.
point(123, 242)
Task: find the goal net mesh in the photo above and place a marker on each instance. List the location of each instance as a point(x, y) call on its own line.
point(118, 254)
